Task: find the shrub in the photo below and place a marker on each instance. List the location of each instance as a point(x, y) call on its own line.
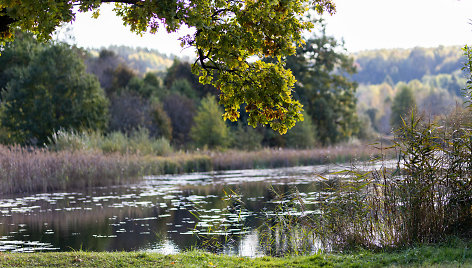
point(141, 143)
point(114, 142)
point(68, 140)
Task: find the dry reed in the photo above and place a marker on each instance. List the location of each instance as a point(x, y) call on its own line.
point(271, 158)
point(32, 170)
point(38, 170)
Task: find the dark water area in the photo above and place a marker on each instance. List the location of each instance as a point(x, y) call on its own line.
point(166, 214)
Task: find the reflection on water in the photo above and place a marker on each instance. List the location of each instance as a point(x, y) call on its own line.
point(163, 213)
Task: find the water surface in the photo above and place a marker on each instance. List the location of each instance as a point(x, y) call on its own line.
point(218, 211)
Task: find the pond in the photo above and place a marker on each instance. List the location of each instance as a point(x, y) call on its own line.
point(164, 214)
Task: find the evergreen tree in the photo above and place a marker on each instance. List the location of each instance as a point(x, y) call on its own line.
point(209, 128)
point(403, 104)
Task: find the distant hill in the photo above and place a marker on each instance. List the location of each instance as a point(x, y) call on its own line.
point(142, 60)
point(395, 65)
point(374, 66)
point(433, 74)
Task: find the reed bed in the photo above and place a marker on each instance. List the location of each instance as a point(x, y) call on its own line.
point(272, 158)
point(27, 170)
point(33, 170)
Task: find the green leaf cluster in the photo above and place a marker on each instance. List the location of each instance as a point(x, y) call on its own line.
point(468, 68)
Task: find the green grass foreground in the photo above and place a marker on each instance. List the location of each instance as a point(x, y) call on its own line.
point(453, 255)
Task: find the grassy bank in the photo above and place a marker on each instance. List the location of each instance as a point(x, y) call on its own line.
point(25, 170)
point(446, 255)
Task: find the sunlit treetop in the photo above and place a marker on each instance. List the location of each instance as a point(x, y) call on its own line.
point(232, 39)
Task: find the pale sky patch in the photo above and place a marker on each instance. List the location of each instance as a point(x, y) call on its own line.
point(108, 29)
point(373, 24)
point(363, 24)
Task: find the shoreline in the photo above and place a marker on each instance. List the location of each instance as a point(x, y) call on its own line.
point(25, 171)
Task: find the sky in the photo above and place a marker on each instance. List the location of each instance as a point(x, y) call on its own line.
point(362, 24)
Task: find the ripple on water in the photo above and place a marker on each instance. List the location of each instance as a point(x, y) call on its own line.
point(25, 246)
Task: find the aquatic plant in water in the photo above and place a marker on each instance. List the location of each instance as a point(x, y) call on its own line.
point(288, 227)
point(217, 229)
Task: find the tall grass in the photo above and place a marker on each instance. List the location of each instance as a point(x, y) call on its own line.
point(425, 198)
point(435, 192)
point(76, 160)
point(138, 142)
point(37, 170)
point(287, 229)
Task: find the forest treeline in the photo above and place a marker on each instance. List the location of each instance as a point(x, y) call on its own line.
point(392, 82)
point(372, 66)
point(121, 95)
point(396, 65)
point(53, 91)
